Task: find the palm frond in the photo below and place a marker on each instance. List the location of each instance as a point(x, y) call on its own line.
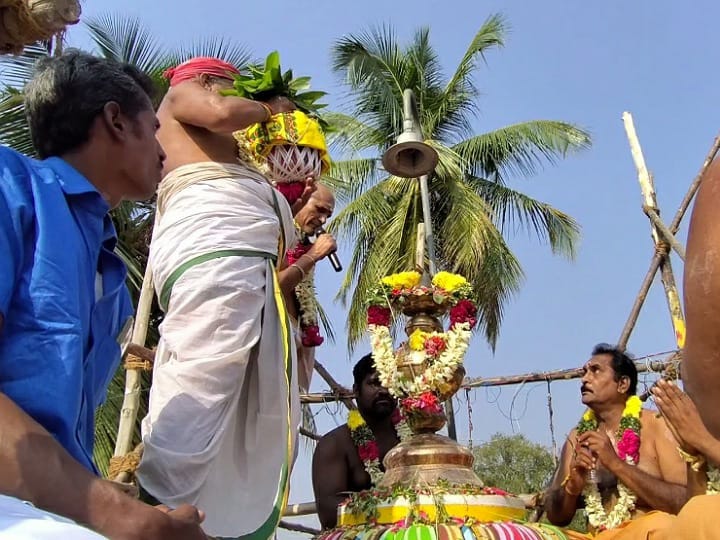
point(374, 68)
point(469, 243)
point(351, 177)
point(384, 222)
point(520, 149)
point(349, 134)
point(215, 47)
point(451, 116)
point(16, 71)
point(14, 129)
point(512, 209)
point(125, 39)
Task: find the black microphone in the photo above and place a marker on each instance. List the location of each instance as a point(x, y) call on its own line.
point(332, 256)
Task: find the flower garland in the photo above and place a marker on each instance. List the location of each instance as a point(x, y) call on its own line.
point(307, 301)
point(628, 449)
point(364, 440)
point(437, 355)
point(713, 480)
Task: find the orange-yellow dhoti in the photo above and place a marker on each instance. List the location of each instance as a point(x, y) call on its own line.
point(644, 527)
point(698, 520)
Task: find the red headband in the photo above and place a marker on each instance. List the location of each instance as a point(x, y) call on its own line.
point(199, 66)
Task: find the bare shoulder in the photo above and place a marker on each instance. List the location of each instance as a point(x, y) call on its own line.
point(654, 426)
point(335, 442)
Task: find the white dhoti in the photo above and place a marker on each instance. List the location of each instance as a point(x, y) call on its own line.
point(20, 520)
point(224, 407)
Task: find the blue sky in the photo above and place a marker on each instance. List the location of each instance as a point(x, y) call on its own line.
point(579, 62)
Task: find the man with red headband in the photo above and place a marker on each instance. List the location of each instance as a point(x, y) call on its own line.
point(224, 405)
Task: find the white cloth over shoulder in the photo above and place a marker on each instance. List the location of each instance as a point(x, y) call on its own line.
point(20, 520)
point(224, 407)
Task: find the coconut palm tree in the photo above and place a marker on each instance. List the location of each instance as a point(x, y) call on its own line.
point(472, 204)
point(124, 39)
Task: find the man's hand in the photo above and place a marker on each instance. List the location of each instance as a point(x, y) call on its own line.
point(681, 416)
point(601, 447)
point(323, 246)
point(162, 523)
point(310, 188)
point(280, 104)
point(581, 463)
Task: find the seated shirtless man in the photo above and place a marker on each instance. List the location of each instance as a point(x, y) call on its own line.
point(337, 467)
point(658, 481)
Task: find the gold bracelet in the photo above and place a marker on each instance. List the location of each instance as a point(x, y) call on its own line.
point(302, 272)
point(696, 462)
point(564, 484)
point(309, 257)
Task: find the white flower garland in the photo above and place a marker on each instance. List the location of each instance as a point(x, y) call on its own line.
point(620, 513)
point(713, 480)
point(305, 293)
point(438, 373)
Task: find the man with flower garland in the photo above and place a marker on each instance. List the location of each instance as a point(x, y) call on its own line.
point(349, 458)
point(620, 461)
point(297, 277)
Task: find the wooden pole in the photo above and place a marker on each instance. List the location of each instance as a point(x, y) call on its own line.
point(131, 399)
point(336, 387)
point(658, 257)
point(643, 364)
point(666, 274)
point(654, 217)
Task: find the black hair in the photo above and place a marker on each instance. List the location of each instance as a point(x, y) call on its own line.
point(622, 363)
point(69, 91)
point(364, 367)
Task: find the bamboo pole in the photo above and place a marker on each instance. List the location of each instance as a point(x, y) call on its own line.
point(650, 202)
point(336, 387)
point(654, 217)
point(658, 257)
point(297, 527)
point(643, 364)
point(300, 509)
point(131, 399)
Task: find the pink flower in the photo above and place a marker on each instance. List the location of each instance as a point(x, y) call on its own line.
point(369, 451)
point(291, 190)
point(629, 445)
point(464, 311)
point(434, 345)
point(378, 315)
point(311, 336)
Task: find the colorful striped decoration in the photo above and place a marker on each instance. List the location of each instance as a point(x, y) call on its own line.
point(498, 530)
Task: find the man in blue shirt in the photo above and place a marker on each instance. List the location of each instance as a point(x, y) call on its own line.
point(63, 300)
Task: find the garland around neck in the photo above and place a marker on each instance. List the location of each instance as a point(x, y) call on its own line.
point(364, 440)
point(628, 449)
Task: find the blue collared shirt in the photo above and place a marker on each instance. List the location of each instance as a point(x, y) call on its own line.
point(58, 342)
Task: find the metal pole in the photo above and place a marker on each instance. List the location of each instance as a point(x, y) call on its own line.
point(410, 114)
point(427, 218)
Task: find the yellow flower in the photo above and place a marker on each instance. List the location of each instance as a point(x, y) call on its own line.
point(355, 420)
point(402, 280)
point(417, 340)
point(449, 282)
point(589, 416)
point(633, 406)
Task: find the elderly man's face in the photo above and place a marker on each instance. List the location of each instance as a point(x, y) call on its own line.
point(317, 211)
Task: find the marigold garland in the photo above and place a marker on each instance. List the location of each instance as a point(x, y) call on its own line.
point(628, 449)
point(364, 440)
point(437, 355)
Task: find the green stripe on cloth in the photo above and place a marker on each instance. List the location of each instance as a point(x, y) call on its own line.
point(184, 267)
